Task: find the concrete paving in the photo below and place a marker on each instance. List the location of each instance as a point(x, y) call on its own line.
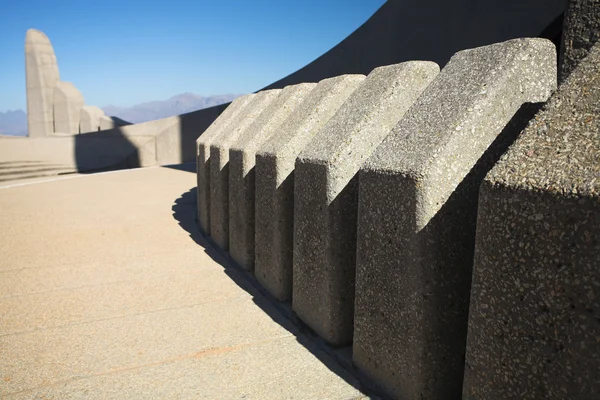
point(108, 290)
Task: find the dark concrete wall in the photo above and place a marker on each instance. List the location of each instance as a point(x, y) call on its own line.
point(431, 30)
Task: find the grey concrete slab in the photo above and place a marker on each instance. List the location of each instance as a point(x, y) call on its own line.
point(219, 164)
point(275, 181)
point(276, 369)
point(42, 76)
point(119, 299)
point(581, 29)
point(326, 195)
point(158, 314)
point(203, 157)
point(534, 328)
point(242, 157)
point(68, 103)
point(89, 119)
point(417, 211)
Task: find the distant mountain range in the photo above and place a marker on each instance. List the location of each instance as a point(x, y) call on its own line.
point(15, 122)
point(179, 104)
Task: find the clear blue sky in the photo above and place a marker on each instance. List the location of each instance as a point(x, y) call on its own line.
point(126, 52)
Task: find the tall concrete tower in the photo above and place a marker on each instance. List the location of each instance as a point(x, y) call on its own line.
point(41, 70)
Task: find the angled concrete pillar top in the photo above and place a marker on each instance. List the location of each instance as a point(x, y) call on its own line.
point(275, 181)
point(269, 122)
point(535, 299)
point(453, 122)
point(325, 200)
point(417, 211)
point(203, 156)
point(68, 102)
point(89, 119)
point(306, 121)
point(242, 156)
point(219, 164)
point(42, 76)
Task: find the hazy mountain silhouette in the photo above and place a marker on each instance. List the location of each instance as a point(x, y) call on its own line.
point(179, 104)
point(14, 123)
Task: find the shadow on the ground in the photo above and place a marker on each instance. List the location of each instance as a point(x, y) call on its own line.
point(338, 360)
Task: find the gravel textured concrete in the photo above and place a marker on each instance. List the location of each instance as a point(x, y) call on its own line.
point(108, 290)
point(203, 156)
point(242, 159)
point(534, 327)
point(275, 181)
point(219, 164)
point(581, 29)
point(326, 195)
point(417, 211)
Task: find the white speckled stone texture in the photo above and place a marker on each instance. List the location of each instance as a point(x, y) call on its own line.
point(326, 195)
point(417, 211)
point(275, 181)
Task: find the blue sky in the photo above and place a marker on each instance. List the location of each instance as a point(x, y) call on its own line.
point(127, 52)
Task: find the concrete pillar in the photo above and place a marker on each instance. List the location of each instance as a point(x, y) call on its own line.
point(326, 195)
point(68, 103)
point(534, 318)
point(203, 157)
point(107, 122)
point(581, 29)
point(417, 211)
point(89, 119)
point(242, 157)
point(275, 181)
point(219, 164)
point(41, 73)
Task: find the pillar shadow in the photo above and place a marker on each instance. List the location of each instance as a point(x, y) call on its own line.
point(105, 151)
point(339, 361)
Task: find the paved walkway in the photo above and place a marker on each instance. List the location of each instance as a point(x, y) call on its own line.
point(108, 291)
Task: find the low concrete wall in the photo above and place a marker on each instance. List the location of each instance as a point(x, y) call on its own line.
point(81, 153)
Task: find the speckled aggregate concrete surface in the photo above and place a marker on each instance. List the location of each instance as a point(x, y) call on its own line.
point(105, 294)
point(534, 322)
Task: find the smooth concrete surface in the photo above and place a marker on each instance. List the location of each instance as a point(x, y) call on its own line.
point(417, 212)
point(274, 200)
point(90, 152)
point(89, 119)
point(108, 291)
point(219, 164)
point(326, 195)
point(42, 76)
point(68, 103)
point(242, 159)
point(534, 328)
point(203, 156)
point(107, 122)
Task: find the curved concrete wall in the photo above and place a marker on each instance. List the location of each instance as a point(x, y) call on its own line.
point(431, 30)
